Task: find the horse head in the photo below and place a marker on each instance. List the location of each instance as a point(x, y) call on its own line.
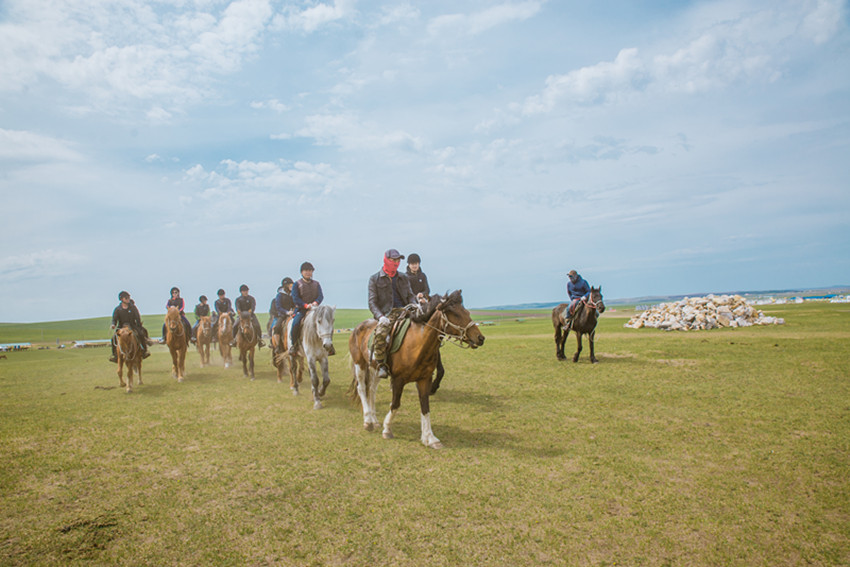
point(173, 320)
point(458, 322)
point(596, 299)
point(246, 325)
point(325, 326)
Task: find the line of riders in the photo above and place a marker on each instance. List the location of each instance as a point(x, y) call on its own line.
point(390, 292)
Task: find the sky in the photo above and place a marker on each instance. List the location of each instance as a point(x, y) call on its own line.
point(656, 147)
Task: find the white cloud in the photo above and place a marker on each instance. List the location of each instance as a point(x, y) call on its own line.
point(350, 133)
point(310, 19)
point(16, 145)
point(479, 22)
point(272, 104)
point(43, 263)
point(822, 23)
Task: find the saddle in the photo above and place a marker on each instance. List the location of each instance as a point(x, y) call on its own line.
point(397, 333)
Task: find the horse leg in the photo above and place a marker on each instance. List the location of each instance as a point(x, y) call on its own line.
point(181, 370)
point(361, 378)
point(428, 438)
point(560, 339)
point(441, 371)
point(293, 377)
point(326, 378)
point(121, 371)
point(591, 337)
point(251, 362)
point(314, 382)
point(578, 343)
point(139, 372)
point(129, 377)
point(396, 403)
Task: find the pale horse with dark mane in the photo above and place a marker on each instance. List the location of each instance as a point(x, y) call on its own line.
point(314, 345)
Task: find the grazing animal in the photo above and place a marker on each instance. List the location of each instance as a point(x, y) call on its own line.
point(225, 335)
point(314, 345)
point(246, 343)
point(204, 339)
point(178, 342)
point(129, 353)
point(583, 323)
point(443, 318)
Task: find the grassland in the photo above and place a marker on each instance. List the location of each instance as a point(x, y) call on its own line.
point(728, 447)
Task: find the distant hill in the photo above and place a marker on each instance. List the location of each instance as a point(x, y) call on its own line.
point(653, 299)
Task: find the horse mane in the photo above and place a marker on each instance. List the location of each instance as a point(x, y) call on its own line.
point(424, 313)
point(452, 299)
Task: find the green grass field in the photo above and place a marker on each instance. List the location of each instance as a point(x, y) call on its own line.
point(726, 447)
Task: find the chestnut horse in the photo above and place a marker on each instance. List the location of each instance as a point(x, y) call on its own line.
point(204, 339)
point(443, 318)
point(178, 342)
point(246, 343)
point(583, 323)
point(225, 335)
point(129, 353)
point(283, 361)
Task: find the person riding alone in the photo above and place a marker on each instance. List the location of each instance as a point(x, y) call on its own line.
point(244, 303)
point(283, 306)
point(389, 293)
point(202, 309)
point(417, 278)
point(177, 301)
point(306, 294)
point(576, 289)
point(127, 314)
point(222, 307)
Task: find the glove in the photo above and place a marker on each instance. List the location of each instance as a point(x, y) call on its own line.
point(383, 321)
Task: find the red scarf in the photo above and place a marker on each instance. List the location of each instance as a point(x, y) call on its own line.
point(390, 267)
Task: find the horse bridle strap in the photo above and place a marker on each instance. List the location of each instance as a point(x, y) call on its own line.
point(460, 339)
point(589, 302)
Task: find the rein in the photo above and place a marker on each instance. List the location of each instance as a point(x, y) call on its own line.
point(134, 343)
point(590, 303)
point(460, 340)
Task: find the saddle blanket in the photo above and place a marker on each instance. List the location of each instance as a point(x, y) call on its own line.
point(398, 332)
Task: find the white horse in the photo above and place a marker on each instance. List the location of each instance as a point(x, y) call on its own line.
point(315, 344)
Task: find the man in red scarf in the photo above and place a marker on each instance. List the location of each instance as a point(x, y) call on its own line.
point(389, 293)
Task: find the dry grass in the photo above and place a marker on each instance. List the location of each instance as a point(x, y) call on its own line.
point(711, 448)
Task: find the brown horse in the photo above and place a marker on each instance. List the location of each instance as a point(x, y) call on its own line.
point(204, 339)
point(583, 323)
point(225, 335)
point(443, 318)
point(129, 353)
point(283, 361)
point(246, 343)
point(178, 342)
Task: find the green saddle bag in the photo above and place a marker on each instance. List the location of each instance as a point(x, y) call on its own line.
point(400, 330)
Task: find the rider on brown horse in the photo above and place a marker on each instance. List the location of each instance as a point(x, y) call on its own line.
point(576, 289)
point(202, 309)
point(282, 306)
point(223, 306)
point(177, 301)
point(389, 293)
point(243, 303)
point(127, 314)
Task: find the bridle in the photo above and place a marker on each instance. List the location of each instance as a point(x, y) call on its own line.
point(592, 304)
point(134, 345)
point(246, 323)
point(460, 339)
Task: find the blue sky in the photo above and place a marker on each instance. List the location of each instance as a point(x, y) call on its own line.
point(655, 147)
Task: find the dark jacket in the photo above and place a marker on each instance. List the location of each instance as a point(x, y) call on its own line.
point(418, 282)
point(304, 292)
point(283, 303)
point(129, 316)
point(202, 310)
point(178, 303)
point(246, 303)
point(579, 289)
point(223, 306)
point(381, 297)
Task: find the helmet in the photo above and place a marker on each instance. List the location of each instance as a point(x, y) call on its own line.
point(286, 280)
point(243, 287)
point(173, 289)
point(122, 295)
point(414, 259)
point(202, 298)
point(306, 266)
point(220, 292)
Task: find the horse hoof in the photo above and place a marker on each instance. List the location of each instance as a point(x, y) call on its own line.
point(294, 391)
point(180, 379)
point(317, 405)
point(369, 426)
point(388, 435)
point(436, 445)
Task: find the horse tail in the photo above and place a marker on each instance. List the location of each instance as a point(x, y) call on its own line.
point(352, 388)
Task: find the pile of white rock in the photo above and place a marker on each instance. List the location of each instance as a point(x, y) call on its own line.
point(698, 313)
